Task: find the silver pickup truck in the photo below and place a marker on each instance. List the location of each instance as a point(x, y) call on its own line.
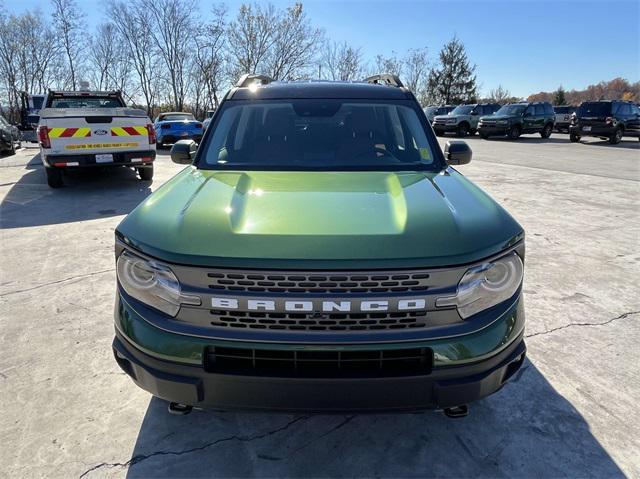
point(94, 129)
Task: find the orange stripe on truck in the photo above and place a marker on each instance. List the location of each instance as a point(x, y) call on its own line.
point(129, 131)
point(69, 132)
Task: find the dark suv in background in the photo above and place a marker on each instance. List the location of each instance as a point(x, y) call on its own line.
point(463, 120)
point(609, 120)
point(517, 118)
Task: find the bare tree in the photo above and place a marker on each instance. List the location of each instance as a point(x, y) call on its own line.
point(340, 61)
point(131, 22)
point(172, 25)
point(68, 23)
point(388, 64)
point(499, 95)
point(416, 72)
point(294, 42)
point(208, 71)
point(251, 37)
point(9, 48)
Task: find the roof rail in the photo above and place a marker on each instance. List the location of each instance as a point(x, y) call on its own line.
point(249, 79)
point(385, 79)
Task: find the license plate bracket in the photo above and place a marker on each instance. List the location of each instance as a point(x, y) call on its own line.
point(104, 158)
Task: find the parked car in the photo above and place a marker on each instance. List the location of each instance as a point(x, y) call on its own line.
point(10, 137)
point(89, 129)
point(207, 120)
point(463, 119)
point(173, 126)
point(517, 118)
point(315, 214)
point(563, 117)
point(609, 120)
point(433, 111)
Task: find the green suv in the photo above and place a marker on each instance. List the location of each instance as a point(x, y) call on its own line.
point(319, 252)
point(517, 118)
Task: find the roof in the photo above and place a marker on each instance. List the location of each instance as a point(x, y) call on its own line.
point(319, 89)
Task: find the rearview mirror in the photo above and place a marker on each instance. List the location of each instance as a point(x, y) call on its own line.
point(183, 151)
point(457, 152)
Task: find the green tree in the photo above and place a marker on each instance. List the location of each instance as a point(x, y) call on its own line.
point(453, 79)
point(559, 96)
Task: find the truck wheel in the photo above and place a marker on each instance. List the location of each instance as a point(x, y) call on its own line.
point(514, 132)
point(146, 173)
point(484, 136)
point(573, 138)
point(546, 131)
point(54, 177)
point(616, 136)
point(463, 129)
point(12, 150)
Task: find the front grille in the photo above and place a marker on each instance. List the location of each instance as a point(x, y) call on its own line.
point(488, 122)
point(319, 363)
point(320, 321)
point(319, 283)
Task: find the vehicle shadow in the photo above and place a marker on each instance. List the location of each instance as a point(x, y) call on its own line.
point(528, 430)
point(87, 194)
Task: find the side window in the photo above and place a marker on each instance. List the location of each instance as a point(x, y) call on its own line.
point(635, 110)
point(539, 110)
point(548, 109)
point(531, 110)
point(624, 110)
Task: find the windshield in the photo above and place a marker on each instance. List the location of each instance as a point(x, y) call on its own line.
point(595, 108)
point(85, 102)
point(177, 117)
point(511, 110)
point(318, 134)
point(462, 110)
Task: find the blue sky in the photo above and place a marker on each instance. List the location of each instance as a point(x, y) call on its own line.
point(527, 46)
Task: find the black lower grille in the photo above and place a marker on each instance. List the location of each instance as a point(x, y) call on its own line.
point(319, 363)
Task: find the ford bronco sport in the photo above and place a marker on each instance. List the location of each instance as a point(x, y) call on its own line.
point(463, 120)
point(609, 120)
point(319, 253)
point(517, 118)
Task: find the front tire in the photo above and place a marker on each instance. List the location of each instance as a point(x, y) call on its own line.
point(145, 173)
point(54, 177)
point(484, 136)
point(573, 138)
point(616, 136)
point(463, 130)
point(546, 131)
point(514, 132)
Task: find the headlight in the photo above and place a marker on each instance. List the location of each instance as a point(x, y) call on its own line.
point(486, 285)
point(152, 283)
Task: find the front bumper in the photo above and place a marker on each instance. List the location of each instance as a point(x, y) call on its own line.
point(463, 369)
point(124, 158)
point(445, 128)
point(494, 130)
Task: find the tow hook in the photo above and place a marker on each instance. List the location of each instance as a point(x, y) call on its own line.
point(179, 409)
point(457, 411)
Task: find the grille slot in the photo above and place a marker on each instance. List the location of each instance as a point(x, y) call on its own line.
point(318, 283)
point(323, 322)
point(391, 362)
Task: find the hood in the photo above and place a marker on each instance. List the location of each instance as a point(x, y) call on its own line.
point(319, 219)
point(445, 117)
point(498, 117)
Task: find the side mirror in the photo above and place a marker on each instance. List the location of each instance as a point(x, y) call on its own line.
point(527, 113)
point(474, 113)
point(183, 151)
point(457, 152)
